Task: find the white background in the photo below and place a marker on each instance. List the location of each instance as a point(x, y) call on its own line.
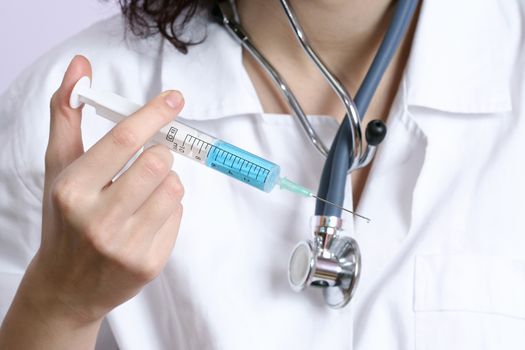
point(29, 28)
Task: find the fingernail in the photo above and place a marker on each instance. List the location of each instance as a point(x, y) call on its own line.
point(173, 99)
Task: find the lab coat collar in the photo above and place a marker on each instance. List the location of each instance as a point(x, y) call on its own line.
point(452, 67)
point(459, 65)
point(218, 59)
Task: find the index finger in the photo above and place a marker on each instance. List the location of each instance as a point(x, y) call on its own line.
point(107, 157)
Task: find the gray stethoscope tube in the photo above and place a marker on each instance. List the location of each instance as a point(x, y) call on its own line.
point(333, 179)
point(330, 260)
point(228, 16)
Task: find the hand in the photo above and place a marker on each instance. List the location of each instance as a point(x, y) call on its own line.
point(102, 241)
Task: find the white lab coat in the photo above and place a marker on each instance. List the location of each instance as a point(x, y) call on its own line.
point(443, 259)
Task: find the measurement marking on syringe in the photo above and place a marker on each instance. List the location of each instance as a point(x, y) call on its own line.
point(196, 142)
point(189, 139)
point(243, 161)
point(250, 169)
point(171, 134)
point(209, 151)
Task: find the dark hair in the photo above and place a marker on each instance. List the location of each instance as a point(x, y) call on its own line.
point(167, 17)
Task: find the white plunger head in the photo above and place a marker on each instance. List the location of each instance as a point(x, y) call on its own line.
point(82, 84)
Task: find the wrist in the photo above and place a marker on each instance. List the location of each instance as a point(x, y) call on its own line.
point(37, 319)
point(40, 293)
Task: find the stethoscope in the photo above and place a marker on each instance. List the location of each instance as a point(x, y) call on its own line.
point(330, 260)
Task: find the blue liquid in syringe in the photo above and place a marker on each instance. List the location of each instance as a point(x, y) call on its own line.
point(219, 155)
point(244, 166)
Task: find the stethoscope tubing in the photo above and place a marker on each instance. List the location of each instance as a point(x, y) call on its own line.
point(330, 260)
point(336, 85)
point(333, 178)
point(346, 153)
point(238, 33)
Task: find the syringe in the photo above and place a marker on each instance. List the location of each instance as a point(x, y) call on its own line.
point(196, 145)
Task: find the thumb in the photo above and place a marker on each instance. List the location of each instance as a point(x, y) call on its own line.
point(65, 138)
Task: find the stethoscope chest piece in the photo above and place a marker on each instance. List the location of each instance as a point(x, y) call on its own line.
point(330, 261)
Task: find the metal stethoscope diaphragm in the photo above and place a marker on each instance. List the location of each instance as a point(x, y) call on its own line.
point(329, 260)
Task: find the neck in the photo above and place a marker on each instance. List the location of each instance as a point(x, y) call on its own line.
point(345, 33)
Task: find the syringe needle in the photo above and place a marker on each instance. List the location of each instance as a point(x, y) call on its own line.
point(286, 184)
point(340, 207)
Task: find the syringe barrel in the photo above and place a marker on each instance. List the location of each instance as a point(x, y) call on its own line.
point(183, 139)
point(219, 155)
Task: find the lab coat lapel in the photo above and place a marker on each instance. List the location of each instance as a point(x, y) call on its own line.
point(218, 59)
point(392, 185)
point(462, 67)
point(473, 88)
point(399, 197)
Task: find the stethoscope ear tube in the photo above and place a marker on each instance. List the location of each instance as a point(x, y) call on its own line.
point(225, 14)
point(333, 179)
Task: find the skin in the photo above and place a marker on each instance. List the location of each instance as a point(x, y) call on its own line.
point(101, 245)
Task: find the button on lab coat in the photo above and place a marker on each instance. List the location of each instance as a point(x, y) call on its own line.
point(443, 258)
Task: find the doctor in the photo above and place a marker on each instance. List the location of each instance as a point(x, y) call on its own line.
point(86, 262)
